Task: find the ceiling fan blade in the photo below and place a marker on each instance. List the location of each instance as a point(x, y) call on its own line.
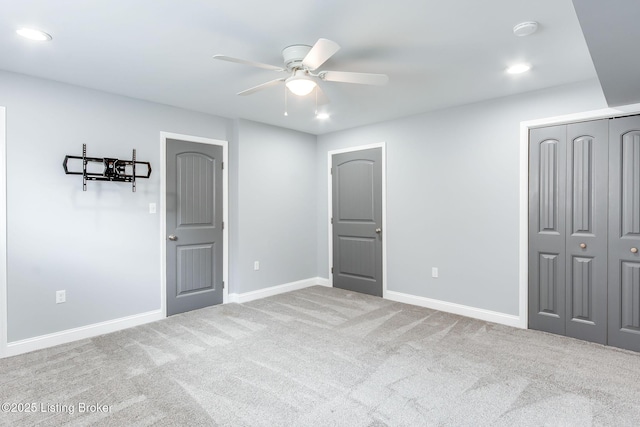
point(319, 53)
point(251, 63)
point(261, 86)
point(359, 78)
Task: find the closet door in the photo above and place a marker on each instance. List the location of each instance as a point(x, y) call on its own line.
point(586, 231)
point(547, 213)
point(624, 233)
point(568, 177)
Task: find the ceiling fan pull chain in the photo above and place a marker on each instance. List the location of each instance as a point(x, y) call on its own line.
point(316, 100)
point(285, 102)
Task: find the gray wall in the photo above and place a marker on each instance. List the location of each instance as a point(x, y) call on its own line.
point(276, 206)
point(453, 194)
point(452, 201)
point(102, 246)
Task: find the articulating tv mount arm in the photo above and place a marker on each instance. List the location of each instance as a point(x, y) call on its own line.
point(114, 169)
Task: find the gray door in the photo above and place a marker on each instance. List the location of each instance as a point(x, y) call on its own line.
point(586, 230)
point(194, 226)
point(357, 221)
point(624, 233)
point(547, 211)
point(568, 230)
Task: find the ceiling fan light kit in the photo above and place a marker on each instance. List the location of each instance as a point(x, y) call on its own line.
point(300, 84)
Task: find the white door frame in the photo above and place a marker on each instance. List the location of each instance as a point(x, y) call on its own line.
point(330, 154)
point(163, 211)
point(525, 126)
point(4, 309)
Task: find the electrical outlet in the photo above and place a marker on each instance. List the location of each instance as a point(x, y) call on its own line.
point(434, 272)
point(256, 265)
point(61, 296)
point(152, 208)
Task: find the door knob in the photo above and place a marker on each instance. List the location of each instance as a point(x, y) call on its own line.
point(173, 238)
point(634, 250)
point(378, 230)
point(583, 245)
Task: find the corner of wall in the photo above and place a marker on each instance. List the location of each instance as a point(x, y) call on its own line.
point(275, 206)
point(3, 234)
point(278, 289)
point(234, 209)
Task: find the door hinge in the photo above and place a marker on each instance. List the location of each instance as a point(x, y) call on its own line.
point(223, 225)
point(331, 270)
point(331, 220)
point(331, 171)
point(223, 285)
point(222, 164)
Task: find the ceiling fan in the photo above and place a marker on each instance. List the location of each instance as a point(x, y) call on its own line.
point(301, 62)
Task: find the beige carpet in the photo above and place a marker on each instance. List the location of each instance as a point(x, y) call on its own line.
point(323, 356)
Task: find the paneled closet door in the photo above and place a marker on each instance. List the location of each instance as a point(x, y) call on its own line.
point(547, 216)
point(586, 230)
point(568, 174)
point(624, 233)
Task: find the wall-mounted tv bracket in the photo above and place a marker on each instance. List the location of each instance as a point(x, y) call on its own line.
point(114, 169)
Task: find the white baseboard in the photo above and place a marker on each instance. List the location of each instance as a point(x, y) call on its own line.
point(463, 310)
point(323, 282)
point(279, 289)
point(44, 341)
point(37, 343)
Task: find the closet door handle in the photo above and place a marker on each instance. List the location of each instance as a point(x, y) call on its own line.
point(634, 250)
point(583, 245)
point(173, 238)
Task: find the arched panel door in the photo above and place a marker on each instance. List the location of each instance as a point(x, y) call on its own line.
point(547, 210)
point(194, 226)
point(357, 221)
point(624, 233)
point(586, 230)
point(568, 174)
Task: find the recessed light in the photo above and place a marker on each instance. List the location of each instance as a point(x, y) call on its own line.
point(33, 34)
point(322, 116)
point(518, 68)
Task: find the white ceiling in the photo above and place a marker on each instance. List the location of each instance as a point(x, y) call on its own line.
point(437, 53)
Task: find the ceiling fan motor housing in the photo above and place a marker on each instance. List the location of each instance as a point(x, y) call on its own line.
point(294, 55)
